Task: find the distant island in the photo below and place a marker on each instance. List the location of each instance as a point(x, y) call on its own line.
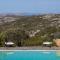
point(31, 30)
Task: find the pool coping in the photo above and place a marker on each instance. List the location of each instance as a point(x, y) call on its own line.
point(36, 48)
point(29, 50)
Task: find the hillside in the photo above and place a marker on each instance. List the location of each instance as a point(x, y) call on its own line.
point(30, 28)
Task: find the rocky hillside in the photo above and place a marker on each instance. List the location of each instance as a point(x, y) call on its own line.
point(30, 30)
point(29, 23)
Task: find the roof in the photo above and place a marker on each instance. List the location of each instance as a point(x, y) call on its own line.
point(47, 42)
point(9, 43)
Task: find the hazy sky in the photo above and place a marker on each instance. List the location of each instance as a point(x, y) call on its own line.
point(30, 6)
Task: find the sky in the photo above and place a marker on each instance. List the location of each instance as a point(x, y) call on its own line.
point(29, 6)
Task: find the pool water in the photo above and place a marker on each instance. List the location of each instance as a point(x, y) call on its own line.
point(29, 55)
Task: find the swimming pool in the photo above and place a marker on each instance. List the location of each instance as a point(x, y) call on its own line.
point(29, 55)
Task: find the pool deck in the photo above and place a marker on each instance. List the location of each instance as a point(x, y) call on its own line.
point(29, 48)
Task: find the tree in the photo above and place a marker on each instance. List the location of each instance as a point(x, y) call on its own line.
point(2, 38)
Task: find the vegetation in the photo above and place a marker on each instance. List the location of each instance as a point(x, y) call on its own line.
point(19, 30)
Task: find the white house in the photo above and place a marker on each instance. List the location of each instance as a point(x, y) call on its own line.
point(48, 44)
point(9, 43)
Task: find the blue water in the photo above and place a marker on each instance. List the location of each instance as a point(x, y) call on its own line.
point(29, 55)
